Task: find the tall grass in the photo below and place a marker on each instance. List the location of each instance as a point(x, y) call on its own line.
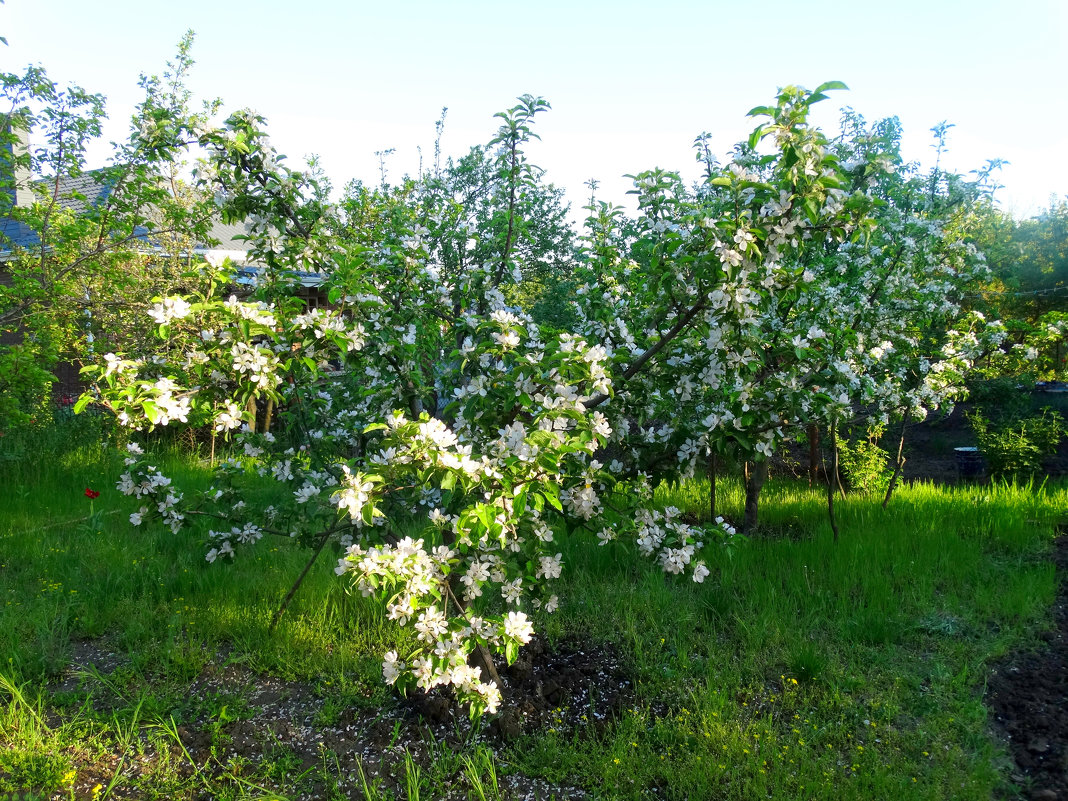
point(809, 668)
point(801, 668)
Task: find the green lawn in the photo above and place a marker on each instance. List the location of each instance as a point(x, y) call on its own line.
point(801, 668)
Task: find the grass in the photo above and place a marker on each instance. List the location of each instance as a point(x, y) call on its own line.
point(801, 668)
point(809, 668)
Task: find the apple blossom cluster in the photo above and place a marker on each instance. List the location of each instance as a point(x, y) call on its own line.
point(424, 581)
point(235, 349)
point(144, 482)
point(1038, 350)
point(673, 543)
point(172, 308)
point(422, 577)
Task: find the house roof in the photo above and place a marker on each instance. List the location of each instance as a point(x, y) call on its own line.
point(226, 235)
point(17, 234)
point(76, 194)
point(79, 193)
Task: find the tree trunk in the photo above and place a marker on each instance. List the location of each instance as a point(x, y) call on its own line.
point(813, 454)
point(480, 656)
point(482, 659)
point(251, 408)
point(830, 480)
point(899, 465)
point(754, 482)
point(712, 486)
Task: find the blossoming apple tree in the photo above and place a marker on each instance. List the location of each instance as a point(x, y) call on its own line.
point(430, 429)
point(784, 290)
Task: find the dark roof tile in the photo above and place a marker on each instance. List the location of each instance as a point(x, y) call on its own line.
point(80, 193)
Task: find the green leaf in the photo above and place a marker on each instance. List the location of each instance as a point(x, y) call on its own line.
point(549, 462)
point(554, 500)
point(830, 86)
point(448, 481)
point(520, 503)
point(151, 411)
point(511, 652)
point(367, 513)
point(756, 136)
point(486, 515)
point(83, 401)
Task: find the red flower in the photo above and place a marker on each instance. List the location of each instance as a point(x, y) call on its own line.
point(91, 494)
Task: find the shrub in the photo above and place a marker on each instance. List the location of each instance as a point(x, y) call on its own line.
point(55, 431)
point(1001, 399)
point(865, 465)
point(1016, 446)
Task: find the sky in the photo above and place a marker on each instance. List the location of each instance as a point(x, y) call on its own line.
point(630, 83)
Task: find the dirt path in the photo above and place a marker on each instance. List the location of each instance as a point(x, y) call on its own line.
point(1028, 694)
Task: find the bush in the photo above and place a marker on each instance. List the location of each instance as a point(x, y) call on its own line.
point(56, 431)
point(25, 388)
point(1014, 447)
point(1002, 399)
point(865, 465)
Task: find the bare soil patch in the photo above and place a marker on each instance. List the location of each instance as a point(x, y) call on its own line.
point(1028, 693)
point(572, 687)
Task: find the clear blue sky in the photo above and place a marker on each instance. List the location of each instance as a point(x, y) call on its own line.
point(631, 83)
